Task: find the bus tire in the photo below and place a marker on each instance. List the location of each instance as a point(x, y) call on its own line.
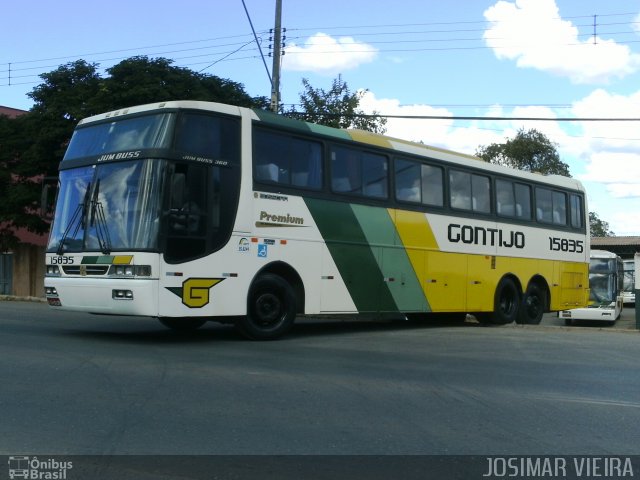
point(271, 309)
point(182, 324)
point(506, 304)
point(534, 302)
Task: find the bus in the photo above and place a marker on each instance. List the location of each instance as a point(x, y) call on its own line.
point(629, 282)
point(605, 282)
point(190, 211)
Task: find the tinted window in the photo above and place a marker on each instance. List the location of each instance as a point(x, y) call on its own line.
point(361, 173)
point(513, 199)
point(207, 136)
point(577, 216)
point(418, 183)
point(551, 206)
point(287, 160)
point(469, 191)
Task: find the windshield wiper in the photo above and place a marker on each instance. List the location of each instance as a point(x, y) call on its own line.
point(78, 216)
point(98, 219)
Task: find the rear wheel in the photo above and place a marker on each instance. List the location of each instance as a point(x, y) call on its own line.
point(506, 304)
point(534, 303)
point(271, 309)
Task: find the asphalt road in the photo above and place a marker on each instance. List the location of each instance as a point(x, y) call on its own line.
point(81, 384)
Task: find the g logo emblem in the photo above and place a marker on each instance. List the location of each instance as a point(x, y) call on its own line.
point(195, 292)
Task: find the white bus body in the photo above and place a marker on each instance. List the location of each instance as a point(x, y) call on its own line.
point(605, 283)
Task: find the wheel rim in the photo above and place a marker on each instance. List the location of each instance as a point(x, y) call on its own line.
point(507, 303)
point(532, 306)
point(268, 310)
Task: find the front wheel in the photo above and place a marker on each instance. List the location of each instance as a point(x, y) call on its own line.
point(271, 309)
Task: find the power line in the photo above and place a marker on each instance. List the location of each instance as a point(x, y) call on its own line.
point(350, 29)
point(475, 117)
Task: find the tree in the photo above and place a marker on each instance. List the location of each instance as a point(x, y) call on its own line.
point(599, 228)
point(530, 150)
point(338, 108)
point(33, 145)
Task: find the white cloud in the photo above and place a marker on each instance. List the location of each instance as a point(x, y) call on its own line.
point(326, 55)
point(620, 172)
point(610, 135)
point(532, 33)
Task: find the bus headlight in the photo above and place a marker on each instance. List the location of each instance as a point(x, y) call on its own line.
point(130, 270)
point(53, 270)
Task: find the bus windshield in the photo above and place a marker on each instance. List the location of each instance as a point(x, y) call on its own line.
point(165, 182)
point(111, 206)
point(603, 280)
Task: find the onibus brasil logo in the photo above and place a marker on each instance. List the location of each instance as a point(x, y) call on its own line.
point(34, 468)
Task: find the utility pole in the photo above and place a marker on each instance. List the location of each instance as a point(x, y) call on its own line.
point(277, 45)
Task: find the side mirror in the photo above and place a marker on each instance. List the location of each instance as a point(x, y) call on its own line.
point(48, 196)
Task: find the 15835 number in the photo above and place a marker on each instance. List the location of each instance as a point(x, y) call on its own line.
point(566, 245)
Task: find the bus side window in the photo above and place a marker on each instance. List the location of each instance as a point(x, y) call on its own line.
point(505, 201)
point(481, 194)
point(544, 206)
point(470, 192)
point(270, 157)
point(559, 208)
point(408, 184)
point(460, 189)
point(432, 185)
point(286, 160)
point(523, 201)
point(575, 202)
point(374, 172)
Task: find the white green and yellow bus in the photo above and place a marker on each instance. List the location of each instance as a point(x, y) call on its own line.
point(606, 290)
point(191, 211)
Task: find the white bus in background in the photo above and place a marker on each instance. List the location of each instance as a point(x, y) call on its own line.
point(629, 281)
point(605, 283)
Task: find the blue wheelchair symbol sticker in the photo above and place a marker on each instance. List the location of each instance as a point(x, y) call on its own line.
point(262, 250)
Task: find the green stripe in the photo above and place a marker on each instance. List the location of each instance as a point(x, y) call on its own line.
point(352, 254)
point(392, 258)
point(281, 121)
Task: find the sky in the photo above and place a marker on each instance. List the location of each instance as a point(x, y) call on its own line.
point(552, 59)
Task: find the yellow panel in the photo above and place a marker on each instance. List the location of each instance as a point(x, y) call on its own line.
point(370, 138)
point(445, 281)
point(122, 259)
point(414, 230)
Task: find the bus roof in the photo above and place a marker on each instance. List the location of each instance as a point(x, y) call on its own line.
point(360, 136)
point(602, 254)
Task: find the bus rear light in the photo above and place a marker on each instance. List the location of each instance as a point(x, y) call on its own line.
point(121, 294)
